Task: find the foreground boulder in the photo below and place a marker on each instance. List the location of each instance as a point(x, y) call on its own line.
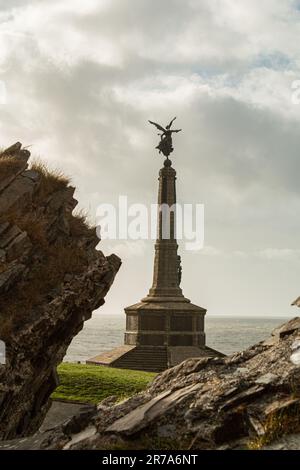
point(248, 399)
point(51, 280)
point(253, 396)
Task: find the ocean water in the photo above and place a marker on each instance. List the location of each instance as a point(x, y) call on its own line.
point(226, 334)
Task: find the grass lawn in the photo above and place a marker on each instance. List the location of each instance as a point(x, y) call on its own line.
point(80, 382)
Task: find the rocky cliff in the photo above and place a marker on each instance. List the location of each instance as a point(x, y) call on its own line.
point(51, 280)
point(247, 400)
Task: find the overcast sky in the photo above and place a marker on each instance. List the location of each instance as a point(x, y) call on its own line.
point(81, 80)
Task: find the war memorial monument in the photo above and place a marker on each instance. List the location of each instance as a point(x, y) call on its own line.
point(164, 328)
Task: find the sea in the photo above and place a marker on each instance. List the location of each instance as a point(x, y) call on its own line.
point(223, 333)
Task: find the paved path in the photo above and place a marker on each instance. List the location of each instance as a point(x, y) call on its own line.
point(60, 412)
point(57, 415)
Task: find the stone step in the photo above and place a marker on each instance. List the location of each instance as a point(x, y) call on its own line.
point(149, 356)
point(152, 358)
point(136, 361)
point(138, 366)
point(148, 359)
point(142, 364)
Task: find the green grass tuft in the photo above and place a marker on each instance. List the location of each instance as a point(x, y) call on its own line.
point(91, 384)
point(51, 180)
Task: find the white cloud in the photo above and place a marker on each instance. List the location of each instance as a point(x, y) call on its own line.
point(271, 254)
point(83, 78)
point(280, 254)
point(127, 249)
point(211, 251)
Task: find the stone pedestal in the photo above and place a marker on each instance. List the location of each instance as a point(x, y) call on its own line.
point(169, 323)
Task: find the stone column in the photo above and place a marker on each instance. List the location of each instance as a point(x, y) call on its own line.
point(166, 261)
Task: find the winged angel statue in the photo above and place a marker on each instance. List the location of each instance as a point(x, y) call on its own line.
point(165, 145)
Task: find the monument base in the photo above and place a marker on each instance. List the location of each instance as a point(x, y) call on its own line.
point(150, 358)
point(161, 332)
point(165, 321)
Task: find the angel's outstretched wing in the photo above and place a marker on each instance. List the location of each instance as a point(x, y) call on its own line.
point(169, 126)
point(158, 126)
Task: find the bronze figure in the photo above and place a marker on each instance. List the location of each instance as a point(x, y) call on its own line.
point(165, 145)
